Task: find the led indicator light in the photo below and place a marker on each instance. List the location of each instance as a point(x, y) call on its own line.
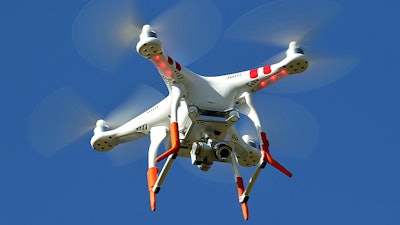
point(157, 58)
point(168, 73)
point(263, 84)
point(162, 65)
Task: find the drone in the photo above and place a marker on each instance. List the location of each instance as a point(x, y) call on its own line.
point(198, 119)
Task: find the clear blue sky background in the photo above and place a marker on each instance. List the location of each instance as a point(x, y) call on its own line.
point(351, 177)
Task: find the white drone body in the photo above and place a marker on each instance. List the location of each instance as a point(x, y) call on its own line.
point(197, 119)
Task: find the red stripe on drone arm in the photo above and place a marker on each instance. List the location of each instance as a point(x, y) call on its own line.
point(254, 73)
point(266, 70)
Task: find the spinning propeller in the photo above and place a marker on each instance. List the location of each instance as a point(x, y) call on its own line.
point(106, 32)
point(281, 22)
point(64, 117)
point(59, 120)
point(291, 129)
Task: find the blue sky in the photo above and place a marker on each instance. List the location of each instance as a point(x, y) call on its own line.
point(349, 177)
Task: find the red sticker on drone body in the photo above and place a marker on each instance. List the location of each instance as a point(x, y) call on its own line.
point(267, 69)
point(254, 73)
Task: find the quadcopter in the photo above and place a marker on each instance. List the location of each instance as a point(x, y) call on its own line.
point(198, 119)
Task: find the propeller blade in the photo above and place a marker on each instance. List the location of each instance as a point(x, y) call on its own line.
point(58, 121)
point(189, 30)
point(105, 32)
point(324, 68)
point(128, 153)
point(291, 129)
point(142, 99)
point(63, 117)
point(281, 22)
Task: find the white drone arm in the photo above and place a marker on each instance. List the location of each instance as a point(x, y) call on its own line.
point(256, 79)
point(106, 138)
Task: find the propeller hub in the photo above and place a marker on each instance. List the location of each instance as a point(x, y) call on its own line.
point(293, 45)
point(294, 48)
point(149, 45)
point(148, 31)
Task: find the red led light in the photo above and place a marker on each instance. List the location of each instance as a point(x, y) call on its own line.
point(157, 58)
point(162, 65)
point(273, 78)
point(284, 72)
point(263, 84)
point(168, 73)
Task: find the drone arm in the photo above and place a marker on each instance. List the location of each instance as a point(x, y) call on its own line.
point(176, 93)
point(258, 78)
